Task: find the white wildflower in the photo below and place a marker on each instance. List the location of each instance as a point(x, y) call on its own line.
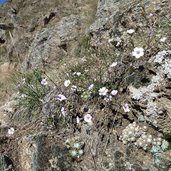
point(126, 108)
point(73, 88)
point(163, 39)
point(138, 52)
point(108, 98)
point(23, 80)
point(53, 162)
point(88, 118)
point(63, 111)
point(77, 73)
point(114, 92)
point(119, 41)
point(23, 95)
point(130, 31)
point(80, 152)
point(91, 87)
point(61, 97)
point(77, 145)
point(103, 91)
point(77, 120)
point(113, 64)
point(11, 131)
point(44, 82)
point(128, 165)
point(151, 15)
point(67, 83)
point(73, 153)
point(111, 40)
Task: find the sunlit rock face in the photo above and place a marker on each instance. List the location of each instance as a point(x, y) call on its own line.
point(85, 85)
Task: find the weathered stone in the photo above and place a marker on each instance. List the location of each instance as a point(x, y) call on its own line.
point(48, 43)
point(118, 155)
point(32, 150)
point(5, 163)
point(2, 36)
point(4, 26)
point(44, 33)
point(149, 95)
point(6, 111)
point(63, 162)
point(29, 152)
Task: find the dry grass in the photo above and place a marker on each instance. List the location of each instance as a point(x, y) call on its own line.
point(88, 12)
point(6, 86)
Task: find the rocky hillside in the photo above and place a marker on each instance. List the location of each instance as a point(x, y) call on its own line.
point(85, 85)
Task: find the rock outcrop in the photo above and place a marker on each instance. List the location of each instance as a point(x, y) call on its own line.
point(79, 60)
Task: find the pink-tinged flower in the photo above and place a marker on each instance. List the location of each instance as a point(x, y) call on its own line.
point(138, 52)
point(77, 120)
point(103, 91)
point(126, 108)
point(11, 131)
point(88, 118)
point(67, 83)
point(61, 97)
point(151, 15)
point(44, 82)
point(150, 33)
point(114, 92)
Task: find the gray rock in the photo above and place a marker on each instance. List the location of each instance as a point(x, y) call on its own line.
point(108, 16)
point(148, 94)
point(5, 162)
point(29, 152)
point(163, 59)
point(106, 10)
point(32, 150)
point(47, 44)
point(2, 36)
point(4, 26)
